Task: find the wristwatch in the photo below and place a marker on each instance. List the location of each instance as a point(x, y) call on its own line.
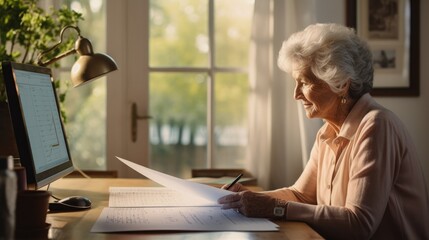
point(279, 211)
point(280, 208)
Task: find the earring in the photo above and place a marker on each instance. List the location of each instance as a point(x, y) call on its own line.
point(343, 100)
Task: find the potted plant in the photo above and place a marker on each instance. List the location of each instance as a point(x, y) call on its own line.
point(25, 31)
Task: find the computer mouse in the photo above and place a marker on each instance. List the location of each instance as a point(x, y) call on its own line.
point(73, 203)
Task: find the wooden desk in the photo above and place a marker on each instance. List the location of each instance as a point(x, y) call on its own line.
point(77, 225)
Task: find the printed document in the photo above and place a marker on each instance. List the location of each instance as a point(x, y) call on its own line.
point(178, 219)
point(154, 197)
point(180, 205)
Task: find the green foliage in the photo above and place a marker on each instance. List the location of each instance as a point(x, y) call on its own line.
point(26, 30)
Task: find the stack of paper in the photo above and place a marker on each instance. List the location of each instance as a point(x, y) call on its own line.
point(182, 205)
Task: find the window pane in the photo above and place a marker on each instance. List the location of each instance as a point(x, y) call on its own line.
point(86, 123)
point(178, 33)
point(85, 106)
point(178, 131)
point(231, 117)
point(232, 32)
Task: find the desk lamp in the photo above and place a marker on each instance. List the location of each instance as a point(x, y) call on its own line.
point(88, 66)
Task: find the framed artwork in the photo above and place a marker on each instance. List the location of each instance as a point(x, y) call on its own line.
point(391, 28)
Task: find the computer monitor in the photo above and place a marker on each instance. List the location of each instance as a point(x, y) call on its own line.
point(37, 124)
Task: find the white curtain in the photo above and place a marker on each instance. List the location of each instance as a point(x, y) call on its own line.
point(280, 136)
point(271, 95)
point(260, 78)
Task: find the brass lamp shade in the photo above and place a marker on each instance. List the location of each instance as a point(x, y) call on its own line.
point(89, 67)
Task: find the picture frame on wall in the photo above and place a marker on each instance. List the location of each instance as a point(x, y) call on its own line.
point(391, 29)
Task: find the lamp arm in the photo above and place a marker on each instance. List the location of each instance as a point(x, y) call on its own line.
point(69, 52)
point(40, 63)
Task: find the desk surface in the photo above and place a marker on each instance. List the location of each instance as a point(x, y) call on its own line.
point(77, 225)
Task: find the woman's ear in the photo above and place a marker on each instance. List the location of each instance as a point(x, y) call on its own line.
point(344, 94)
point(345, 91)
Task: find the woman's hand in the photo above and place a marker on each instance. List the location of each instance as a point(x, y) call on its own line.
point(250, 204)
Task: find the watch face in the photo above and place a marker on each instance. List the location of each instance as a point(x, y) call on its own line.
point(279, 211)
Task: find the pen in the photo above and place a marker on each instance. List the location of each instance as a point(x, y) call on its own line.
point(235, 181)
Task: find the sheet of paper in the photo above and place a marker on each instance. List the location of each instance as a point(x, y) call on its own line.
point(154, 197)
point(178, 219)
point(160, 211)
point(178, 184)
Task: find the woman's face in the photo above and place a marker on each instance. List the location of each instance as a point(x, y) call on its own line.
point(318, 99)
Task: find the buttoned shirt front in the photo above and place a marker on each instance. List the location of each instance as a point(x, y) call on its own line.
point(366, 182)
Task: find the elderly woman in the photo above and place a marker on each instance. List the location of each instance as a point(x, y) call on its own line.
point(363, 179)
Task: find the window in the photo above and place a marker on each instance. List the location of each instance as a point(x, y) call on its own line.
point(85, 106)
point(198, 83)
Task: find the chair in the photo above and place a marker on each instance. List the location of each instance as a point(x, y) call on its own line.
point(215, 173)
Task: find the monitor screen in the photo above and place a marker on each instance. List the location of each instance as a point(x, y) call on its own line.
point(36, 119)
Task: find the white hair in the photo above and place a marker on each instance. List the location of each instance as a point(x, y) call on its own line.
point(334, 54)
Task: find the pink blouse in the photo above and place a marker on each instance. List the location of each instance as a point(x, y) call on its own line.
point(365, 183)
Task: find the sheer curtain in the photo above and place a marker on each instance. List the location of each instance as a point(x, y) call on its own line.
point(268, 98)
point(260, 80)
point(280, 136)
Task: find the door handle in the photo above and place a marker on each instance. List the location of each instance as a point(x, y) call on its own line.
point(134, 118)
